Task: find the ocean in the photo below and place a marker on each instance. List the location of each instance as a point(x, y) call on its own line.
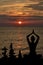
point(17, 36)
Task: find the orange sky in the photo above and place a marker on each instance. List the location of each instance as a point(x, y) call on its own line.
point(21, 7)
point(10, 9)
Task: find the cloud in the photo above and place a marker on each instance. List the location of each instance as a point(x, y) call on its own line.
point(11, 8)
point(20, 7)
point(4, 2)
point(41, 3)
point(38, 6)
point(7, 18)
point(36, 0)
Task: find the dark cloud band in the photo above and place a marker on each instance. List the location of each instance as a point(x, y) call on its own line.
point(36, 6)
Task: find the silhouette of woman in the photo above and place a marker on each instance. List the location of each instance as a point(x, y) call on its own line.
point(32, 44)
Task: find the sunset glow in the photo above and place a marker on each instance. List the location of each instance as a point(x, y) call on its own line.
point(21, 12)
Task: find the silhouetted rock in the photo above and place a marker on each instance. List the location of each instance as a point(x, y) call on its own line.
point(11, 52)
point(4, 52)
point(20, 57)
point(12, 57)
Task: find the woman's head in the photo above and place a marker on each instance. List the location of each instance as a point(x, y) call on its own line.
point(32, 38)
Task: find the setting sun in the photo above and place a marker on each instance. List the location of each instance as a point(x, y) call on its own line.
point(20, 22)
